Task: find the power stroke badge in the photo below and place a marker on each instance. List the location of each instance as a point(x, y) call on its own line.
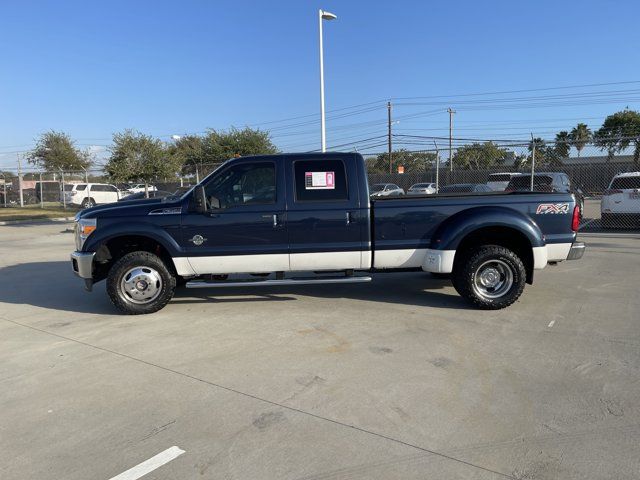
point(552, 208)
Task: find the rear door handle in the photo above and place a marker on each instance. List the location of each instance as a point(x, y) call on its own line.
point(350, 218)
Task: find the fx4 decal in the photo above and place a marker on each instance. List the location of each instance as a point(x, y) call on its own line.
point(545, 208)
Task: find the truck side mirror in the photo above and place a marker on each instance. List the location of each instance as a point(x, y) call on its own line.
point(200, 199)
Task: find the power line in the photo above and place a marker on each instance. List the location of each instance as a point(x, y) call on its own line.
point(520, 91)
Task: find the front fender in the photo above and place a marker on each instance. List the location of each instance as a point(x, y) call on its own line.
point(451, 232)
point(127, 229)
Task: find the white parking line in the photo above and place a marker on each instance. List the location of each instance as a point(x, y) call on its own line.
point(150, 465)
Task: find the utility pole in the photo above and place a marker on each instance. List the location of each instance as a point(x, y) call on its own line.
point(533, 159)
point(437, 167)
point(64, 200)
point(451, 112)
point(322, 15)
point(389, 134)
point(4, 188)
point(41, 195)
point(20, 181)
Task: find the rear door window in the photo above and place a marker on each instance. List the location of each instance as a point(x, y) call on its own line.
point(320, 181)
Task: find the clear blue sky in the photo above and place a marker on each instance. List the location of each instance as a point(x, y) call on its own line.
point(93, 68)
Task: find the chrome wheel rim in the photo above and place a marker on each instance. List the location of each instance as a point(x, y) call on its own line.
point(493, 279)
point(141, 285)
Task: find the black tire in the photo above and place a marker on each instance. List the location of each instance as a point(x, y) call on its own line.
point(155, 278)
point(88, 203)
point(495, 262)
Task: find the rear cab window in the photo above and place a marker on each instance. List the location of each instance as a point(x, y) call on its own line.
point(625, 183)
point(500, 177)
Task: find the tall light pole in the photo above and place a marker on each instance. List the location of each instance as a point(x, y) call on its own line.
point(322, 15)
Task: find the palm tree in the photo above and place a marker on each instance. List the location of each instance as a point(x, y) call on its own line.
point(580, 136)
point(563, 144)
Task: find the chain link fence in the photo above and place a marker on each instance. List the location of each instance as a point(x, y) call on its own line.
point(607, 186)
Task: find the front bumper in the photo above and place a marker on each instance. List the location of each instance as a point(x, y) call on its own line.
point(82, 265)
point(577, 251)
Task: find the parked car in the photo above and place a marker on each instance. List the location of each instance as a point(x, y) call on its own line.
point(385, 190)
point(139, 187)
point(50, 191)
point(465, 188)
point(422, 189)
point(142, 196)
point(91, 194)
point(620, 204)
point(551, 182)
point(499, 181)
point(315, 215)
point(13, 197)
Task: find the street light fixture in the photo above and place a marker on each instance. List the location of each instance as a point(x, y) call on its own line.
point(322, 15)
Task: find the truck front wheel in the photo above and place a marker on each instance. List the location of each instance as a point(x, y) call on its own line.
point(140, 282)
point(491, 277)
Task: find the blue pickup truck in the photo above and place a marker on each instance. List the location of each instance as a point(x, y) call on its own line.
point(308, 219)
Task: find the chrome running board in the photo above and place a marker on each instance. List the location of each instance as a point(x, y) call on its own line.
point(274, 283)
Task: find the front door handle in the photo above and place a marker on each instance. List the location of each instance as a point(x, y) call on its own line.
point(274, 218)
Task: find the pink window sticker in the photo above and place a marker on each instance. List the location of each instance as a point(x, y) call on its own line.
point(319, 180)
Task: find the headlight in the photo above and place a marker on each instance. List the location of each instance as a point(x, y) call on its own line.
point(84, 228)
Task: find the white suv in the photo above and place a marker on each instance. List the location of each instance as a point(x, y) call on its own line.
point(90, 194)
point(498, 181)
point(620, 205)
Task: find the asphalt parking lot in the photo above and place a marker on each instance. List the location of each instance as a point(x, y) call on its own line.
point(395, 379)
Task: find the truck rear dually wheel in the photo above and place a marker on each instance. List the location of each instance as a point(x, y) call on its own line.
point(140, 282)
point(490, 276)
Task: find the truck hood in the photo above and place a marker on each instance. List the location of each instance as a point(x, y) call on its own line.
point(129, 208)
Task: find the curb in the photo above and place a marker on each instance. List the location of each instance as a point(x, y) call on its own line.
point(38, 220)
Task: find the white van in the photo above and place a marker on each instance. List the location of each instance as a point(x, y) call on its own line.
point(91, 194)
point(499, 181)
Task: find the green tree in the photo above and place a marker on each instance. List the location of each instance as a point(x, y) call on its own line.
point(413, 162)
point(139, 157)
point(56, 151)
point(563, 144)
point(220, 146)
point(479, 155)
point(188, 151)
point(618, 132)
point(545, 154)
point(580, 136)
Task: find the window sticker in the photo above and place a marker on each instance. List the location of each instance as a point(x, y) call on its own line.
point(319, 180)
